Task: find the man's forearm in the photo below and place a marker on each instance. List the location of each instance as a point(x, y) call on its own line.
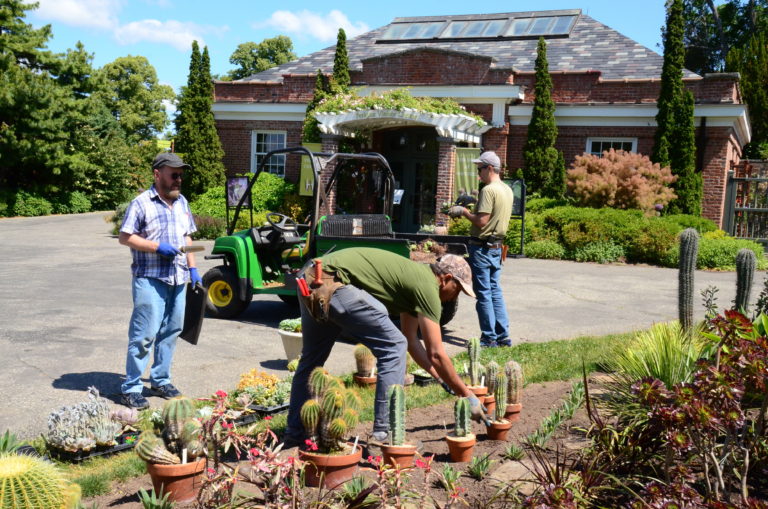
point(191, 263)
point(138, 242)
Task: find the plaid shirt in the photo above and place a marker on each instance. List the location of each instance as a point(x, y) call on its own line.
point(151, 218)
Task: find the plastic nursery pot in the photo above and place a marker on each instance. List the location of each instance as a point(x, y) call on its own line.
point(292, 343)
point(461, 448)
point(181, 481)
point(399, 455)
point(490, 404)
point(498, 430)
point(365, 381)
point(329, 470)
point(477, 390)
point(512, 414)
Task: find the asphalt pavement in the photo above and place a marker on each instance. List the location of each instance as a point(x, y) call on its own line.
point(65, 304)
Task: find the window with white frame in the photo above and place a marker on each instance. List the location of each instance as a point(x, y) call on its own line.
point(263, 142)
point(596, 146)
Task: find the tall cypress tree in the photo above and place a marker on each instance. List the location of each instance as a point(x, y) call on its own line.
point(197, 138)
point(752, 63)
point(341, 61)
point(674, 140)
point(543, 164)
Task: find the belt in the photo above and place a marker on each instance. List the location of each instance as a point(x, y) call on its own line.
point(490, 244)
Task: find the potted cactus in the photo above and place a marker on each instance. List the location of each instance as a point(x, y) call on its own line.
point(514, 374)
point(328, 416)
point(492, 375)
point(176, 457)
point(475, 369)
point(462, 442)
point(499, 426)
point(366, 366)
point(291, 336)
point(397, 453)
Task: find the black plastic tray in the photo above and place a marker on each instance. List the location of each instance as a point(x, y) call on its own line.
point(259, 412)
point(422, 380)
point(80, 455)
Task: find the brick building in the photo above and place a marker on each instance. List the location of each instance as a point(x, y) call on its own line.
point(605, 90)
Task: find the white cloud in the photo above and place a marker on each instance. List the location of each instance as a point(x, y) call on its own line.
point(81, 13)
point(175, 33)
point(319, 26)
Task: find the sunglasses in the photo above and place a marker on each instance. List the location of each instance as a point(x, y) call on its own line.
point(481, 168)
point(176, 176)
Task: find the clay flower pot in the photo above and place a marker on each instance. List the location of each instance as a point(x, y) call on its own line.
point(399, 455)
point(498, 429)
point(365, 381)
point(182, 481)
point(461, 448)
point(292, 343)
point(329, 470)
point(512, 414)
point(490, 404)
point(477, 390)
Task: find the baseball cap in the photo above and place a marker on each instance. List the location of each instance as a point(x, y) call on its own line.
point(169, 159)
point(457, 267)
point(489, 158)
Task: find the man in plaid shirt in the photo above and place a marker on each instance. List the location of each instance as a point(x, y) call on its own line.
point(156, 224)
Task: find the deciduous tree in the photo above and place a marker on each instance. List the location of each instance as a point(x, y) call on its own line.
point(252, 58)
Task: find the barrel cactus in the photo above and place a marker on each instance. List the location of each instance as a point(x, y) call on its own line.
point(491, 376)
point(331, 413)
point(514, 374)
point(500, 393)
point(462, 416)
point(182, 431)
point(396, 414)
point(745, 274)
point(27, 482)
point(364, 359)
point(689, 250)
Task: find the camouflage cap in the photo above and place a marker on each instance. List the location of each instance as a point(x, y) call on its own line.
point(457, 267)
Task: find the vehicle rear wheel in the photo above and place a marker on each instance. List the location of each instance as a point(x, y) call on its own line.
point(449, 311)
point(291, 300)
point(223, 296)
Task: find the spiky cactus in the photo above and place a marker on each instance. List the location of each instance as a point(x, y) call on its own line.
point(473, 349)
point(462, 415)
point(27, 482)
point(514, 374)
point(181, 431)
point(364, 359)
point(331, 413)
point(500, 393)
point(396, 414)
point(689, 250)
point(176, 413)
point(745, 274)
point(491, 376)
point(150, 448)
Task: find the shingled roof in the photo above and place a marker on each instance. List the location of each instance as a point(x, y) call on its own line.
point(590, 45)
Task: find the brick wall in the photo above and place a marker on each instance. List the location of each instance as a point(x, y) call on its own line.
point(428, 66)
point(722, 152)
point(297, 88)
point(446, 164)
point(235, 138)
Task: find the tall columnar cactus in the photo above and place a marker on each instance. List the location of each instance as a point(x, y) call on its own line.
point(745, 274)
point(331, 413)
point(364, 359)
point(491, 376)
point(27, 482)
point(689, 250)
point(500, 393)
point(514, 375)
point(462, 415)
point(396, 415)
point(473, 349)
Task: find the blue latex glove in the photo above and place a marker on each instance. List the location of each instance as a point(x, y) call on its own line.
point(195, 277)
point(166, 250)
point(478, 410)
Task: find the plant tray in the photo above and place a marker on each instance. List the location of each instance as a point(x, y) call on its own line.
point(259, 412)
point(124, 442)
point(422, 380)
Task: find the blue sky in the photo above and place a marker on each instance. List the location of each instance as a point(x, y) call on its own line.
point(163, 30)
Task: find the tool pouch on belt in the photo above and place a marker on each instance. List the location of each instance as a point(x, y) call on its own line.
point(318, 302)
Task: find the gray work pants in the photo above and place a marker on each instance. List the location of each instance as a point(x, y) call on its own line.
point(353, 314)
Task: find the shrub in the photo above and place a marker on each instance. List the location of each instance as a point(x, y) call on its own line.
point(545, 249)
point(600, 252)
point(27, 204)
point(702, 224)
point(212, 203)
point(71, 203)
point(718, 253)
point(651, 242)
point(459, 226)
point(619, 179)
point(535, 205)
point(117, 217)
point(209, 227)
point(269, 191)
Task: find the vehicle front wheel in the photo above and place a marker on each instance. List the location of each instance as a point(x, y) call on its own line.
point(223, 296)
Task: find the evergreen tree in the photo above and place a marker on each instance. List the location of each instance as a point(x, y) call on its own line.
point(674, 140)
point(196, 135)
point(544, 165)
point(752, 63)
point(341, 61)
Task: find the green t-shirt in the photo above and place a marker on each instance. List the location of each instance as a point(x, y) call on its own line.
point(495, 199)
point(403, 286)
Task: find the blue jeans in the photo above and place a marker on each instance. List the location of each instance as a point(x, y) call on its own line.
point(355, 314)
point(486, 281)
point(158, 318)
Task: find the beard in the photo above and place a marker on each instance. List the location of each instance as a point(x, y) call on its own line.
point(173, 193)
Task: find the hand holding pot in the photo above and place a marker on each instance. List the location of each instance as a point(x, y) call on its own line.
point(478, 410)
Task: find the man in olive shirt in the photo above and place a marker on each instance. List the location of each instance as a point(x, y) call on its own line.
point(489, 226)
point(376, 284)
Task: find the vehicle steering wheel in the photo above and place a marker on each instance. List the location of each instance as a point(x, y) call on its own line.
point(281, 222)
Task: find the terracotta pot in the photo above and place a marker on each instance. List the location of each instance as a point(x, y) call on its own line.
point(182, 481)
point(512, 413)
point(292, 343)
point(330, 471)
point(477, 390)
point(461, 447)
point(490, 404)
point(365, 381)
point(399, 455)
point(498, 429)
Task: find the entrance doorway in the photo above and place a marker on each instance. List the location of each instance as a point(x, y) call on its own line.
point(412, 154)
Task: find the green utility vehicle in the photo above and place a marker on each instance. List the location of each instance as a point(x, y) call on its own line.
point(264, 259)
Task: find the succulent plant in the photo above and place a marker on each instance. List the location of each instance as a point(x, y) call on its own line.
point(689, 249)
point(462, 416)
point(745, 273)
point(151, 449)
point(500, 393)
point(125, 416)
point(72, 427)
point(181, 431)
point(28, 482)
point(473, 349)
point(293, 365)
point(176, 412)
point(491, 376)
point(364, 359)
point(514, 374)
point(105, 431)
point(396, 414)
point(331, 412)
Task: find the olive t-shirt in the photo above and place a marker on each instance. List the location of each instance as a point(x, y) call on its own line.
point(403, 286)
point(494, 199)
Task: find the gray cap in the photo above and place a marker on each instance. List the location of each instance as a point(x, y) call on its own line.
point(489, 158)
point(457, 267)
point(169, 159)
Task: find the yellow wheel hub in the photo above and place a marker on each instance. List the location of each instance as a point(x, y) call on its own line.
point(220, 293)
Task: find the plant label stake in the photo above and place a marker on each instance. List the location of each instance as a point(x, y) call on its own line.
point(184, 455)
point(354, 446)
point(482, 381)
point(373, 370)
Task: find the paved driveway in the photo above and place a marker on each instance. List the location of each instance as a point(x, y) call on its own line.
point(65, 303)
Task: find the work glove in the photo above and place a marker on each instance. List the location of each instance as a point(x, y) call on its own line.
point(478, 411)
point(447, 388)
point(167, 251)
point(195, 276)
point(456, 211)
